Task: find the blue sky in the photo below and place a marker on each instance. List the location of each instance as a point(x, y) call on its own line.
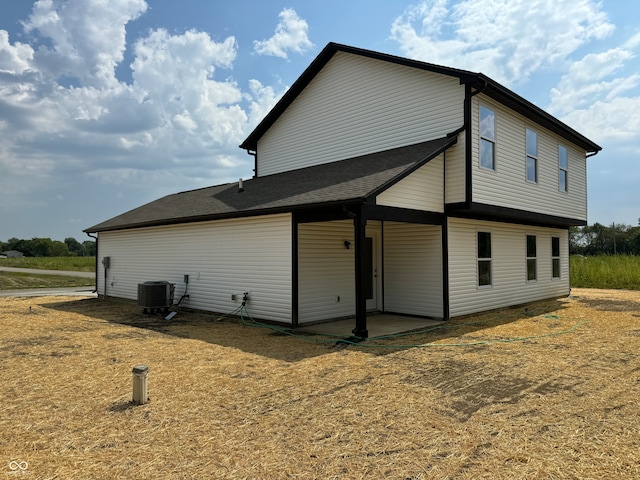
point(105, 106)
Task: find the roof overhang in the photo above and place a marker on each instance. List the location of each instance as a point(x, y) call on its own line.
point(483, 84)
point(356, 180)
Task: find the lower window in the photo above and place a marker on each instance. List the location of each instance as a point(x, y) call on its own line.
point(484, 259)
point(532, 259)
point(555, 257)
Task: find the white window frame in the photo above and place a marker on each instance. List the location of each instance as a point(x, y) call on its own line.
point(563, 187)
point(531, 258)
point(555, 259)
point(483, 260)
point(531, 156)
point(488, 139)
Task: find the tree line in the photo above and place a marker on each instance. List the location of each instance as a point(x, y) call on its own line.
point(45, 247)
point(597, 239)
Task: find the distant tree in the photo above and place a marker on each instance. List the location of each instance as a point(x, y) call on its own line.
point(58, 249)
point(633, 240)
point(577, 241)
point(40, 247)
point(17, 244)
point(45, 247)
point(74, 246)
point(598, 239)
point(89, 248)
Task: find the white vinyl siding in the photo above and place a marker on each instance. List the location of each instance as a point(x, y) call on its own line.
point(508, 266)
point(413, 269)
point(357, 105)
point(455, 166)
point(326, 271)
point(422, 190)
point(222, 258)
point(507, 185)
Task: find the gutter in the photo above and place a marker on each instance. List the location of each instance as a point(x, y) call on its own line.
point(234, 214)
point(468, 95)
point(96, 267)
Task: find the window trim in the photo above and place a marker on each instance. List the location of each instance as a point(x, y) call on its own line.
point(561, 170)
point(529, 156)
point(556, 258)
point(533, 258)
point(482, 138)
point(480, 259)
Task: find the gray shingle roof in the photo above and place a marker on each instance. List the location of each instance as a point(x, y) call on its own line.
point(345, 181)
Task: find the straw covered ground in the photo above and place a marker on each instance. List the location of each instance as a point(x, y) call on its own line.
point(548, 391)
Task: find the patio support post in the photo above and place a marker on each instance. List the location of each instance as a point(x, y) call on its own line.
point(360, 224)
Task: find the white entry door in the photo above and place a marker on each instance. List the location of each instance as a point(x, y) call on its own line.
point(371, 272)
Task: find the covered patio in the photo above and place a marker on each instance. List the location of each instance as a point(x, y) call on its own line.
point(378, 325)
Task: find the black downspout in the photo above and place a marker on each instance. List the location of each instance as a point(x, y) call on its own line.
point(468, 95)
point(444, 238)
point(96, 268)
point(445, 269)
point(468, 147)
point(255, 161)
point(468, 200)
point(359, 226)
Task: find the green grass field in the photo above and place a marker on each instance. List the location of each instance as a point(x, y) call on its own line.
point(606, 271)
point(74, 264)
point(21, 281)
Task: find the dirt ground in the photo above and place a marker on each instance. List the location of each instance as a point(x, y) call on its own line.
point(547, 390)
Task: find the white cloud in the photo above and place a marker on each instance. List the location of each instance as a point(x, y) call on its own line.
point(507, 40)
point(291, 35)
point(262, 98)
point(598, 96)
point(67, 122)
point(175, 75)
point(576, 89)
point(87, 36)
point(510, 41)
point(14, 59)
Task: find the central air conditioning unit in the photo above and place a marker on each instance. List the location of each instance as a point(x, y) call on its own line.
point(155, 296)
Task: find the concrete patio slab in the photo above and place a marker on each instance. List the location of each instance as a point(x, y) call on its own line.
point(378, 325)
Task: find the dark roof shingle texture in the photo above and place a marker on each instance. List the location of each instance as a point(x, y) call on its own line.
point(348, 180)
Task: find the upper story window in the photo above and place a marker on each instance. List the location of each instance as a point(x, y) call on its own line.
point(484, 259)
point(555, 257)
point(487, 138)
point(532, 259)
point(532, 156)
point(563, 168)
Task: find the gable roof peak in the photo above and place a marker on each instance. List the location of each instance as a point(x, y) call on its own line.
point(477, 81)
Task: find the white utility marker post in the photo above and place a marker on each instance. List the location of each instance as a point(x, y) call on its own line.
point(140, 373)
